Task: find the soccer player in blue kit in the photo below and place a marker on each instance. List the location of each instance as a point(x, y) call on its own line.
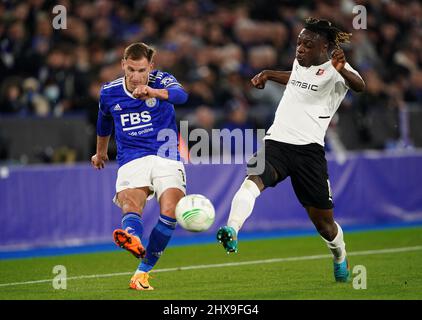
point(140, 104)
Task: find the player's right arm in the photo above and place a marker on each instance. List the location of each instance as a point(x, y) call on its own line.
point(104, 129)
point(98, 160)
point(261, 78)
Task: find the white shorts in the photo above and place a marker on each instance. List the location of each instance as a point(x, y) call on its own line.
point(159, 174)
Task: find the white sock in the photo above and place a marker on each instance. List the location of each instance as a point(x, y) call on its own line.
point(138, 271)
point(337, 245)
point(242, 204)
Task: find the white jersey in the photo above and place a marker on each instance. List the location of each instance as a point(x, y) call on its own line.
point(311, 98)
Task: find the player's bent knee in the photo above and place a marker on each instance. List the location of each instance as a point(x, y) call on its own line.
point(128, 203)
point(169, 200)
point(258, 181)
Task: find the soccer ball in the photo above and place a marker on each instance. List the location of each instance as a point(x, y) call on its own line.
point(195, 213)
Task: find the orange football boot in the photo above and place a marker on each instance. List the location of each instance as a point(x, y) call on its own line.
point(129, 242)
point(140, 282)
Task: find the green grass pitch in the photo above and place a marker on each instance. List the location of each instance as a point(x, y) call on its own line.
point(283, 268)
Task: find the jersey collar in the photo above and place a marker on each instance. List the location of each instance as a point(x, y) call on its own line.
point(126, 90)
point(314, 66)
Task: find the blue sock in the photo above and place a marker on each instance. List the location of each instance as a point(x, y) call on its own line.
point(132, 223)
point(158, 240)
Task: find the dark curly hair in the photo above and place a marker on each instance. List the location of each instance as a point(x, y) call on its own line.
point(324, 27)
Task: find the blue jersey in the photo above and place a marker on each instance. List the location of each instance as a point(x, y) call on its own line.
point(137, 123)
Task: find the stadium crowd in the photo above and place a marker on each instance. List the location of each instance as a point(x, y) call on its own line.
point(212, 47)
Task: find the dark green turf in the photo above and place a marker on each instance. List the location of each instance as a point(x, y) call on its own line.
point(389, 275)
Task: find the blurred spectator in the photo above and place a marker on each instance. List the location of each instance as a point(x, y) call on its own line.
point(239, 124)
point(237, 115)
point(376, 113)
point(33, 99)
point(11, 96)
point(204, 119)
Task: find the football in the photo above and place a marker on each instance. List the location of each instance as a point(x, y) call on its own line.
point(195, 213)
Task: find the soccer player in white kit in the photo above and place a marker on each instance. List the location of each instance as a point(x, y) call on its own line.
point(294, 144)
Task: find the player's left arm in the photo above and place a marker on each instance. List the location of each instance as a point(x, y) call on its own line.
point(353, 81)
point(169, 89)
point(175, 95)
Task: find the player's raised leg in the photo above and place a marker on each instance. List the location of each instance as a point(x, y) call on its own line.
point(241, 208)
point(332, 234)
point(262, 173)
point(159, 238)
point(132, 202)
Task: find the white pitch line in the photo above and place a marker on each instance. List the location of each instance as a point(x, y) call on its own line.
point(230, 264)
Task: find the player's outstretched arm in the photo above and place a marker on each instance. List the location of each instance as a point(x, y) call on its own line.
point(354, 82)
point(261, 78)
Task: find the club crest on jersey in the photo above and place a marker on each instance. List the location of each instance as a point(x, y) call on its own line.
point(320, 72)
point(168, 80)
point(151, 102)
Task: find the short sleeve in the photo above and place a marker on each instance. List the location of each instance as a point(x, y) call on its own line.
point(102, 106)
